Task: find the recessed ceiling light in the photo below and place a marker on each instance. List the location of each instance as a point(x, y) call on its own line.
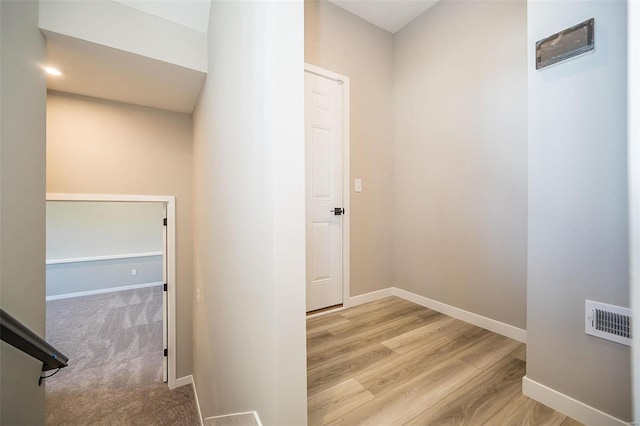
point(54, 71)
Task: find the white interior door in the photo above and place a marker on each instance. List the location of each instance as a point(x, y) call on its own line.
point(323, 150)
point(165, 358)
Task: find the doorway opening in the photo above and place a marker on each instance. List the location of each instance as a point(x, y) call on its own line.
point(137, 330)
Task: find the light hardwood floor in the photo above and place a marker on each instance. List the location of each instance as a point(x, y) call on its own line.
point(392, 362)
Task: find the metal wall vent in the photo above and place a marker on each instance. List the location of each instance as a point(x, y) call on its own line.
point(608, 322)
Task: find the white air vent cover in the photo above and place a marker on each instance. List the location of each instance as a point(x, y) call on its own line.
point(608, 322)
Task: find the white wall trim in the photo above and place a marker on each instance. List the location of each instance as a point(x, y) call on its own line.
point(100, 258)
point(254, 413)
point(370, 297)
point(54, 196)
point(195, 394)
point(478, 320)
point(327, 312)
point(102, 291)
point(357, 300)
point(346, 176)
point(566, 405)
point(324, 72)
point(170, 203)
point(183, 381)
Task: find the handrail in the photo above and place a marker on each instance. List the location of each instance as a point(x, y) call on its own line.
point(20, 336)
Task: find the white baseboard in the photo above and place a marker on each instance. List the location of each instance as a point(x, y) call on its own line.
point(370, 297)
point(253, 413)
point(103, 290)
point(487, 323)
point(195, 393)
point(475, 319)
point(357, 300)
point(568, 406)
point(183, 381)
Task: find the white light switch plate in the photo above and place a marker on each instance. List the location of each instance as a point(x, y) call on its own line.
point(358, 185)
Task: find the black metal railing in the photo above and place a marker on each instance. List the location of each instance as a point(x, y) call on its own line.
point(20, 336)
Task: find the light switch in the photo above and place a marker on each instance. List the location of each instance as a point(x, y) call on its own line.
point(358, 185)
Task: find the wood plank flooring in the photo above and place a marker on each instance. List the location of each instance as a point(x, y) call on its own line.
point(392, 362)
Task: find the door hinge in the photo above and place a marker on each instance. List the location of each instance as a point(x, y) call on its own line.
point(164, 221)
point(166, 352)
point(165, 287)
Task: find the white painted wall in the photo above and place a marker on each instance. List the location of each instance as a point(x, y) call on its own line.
point(116, 25)
point(578, 206)
point(85, 239)
point(460, 158)
point(249, 319)
point(77, 229)
point(22, 205)
point(633, 75)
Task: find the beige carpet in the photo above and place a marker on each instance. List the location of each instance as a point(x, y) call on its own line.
point(114, 345)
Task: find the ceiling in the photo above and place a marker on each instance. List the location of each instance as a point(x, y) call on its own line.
point(192, 14)
point(390, 15)
point(107, 73)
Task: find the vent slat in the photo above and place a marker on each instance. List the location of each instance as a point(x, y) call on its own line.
point(612, 323)
point(608, 322)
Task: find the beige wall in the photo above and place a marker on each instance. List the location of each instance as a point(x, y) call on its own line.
point(249, 318)
point(343, 43)
point(460, 170)
point(578, 207)
point(22, 206)
point(103, 147)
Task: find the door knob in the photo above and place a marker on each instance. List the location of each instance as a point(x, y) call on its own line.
point(338, 211)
